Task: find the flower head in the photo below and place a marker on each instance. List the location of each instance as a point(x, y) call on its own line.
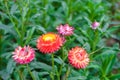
point(95, 25)
point(78, 57)
point(65, 30)
point(23, 55)
point(49, 42)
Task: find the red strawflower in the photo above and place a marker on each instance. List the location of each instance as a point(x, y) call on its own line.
point(78, 57)
point(49, 43)
point(23, 55)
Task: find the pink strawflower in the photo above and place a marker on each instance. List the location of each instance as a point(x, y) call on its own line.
point(65, 30)
point(63, 39)
point(95, 25)
point(78, 57)
point(23, 55)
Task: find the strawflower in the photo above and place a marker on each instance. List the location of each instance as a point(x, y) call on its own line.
point(23, 55)
point(65, 30)
point(49, 42)
point(78, 57)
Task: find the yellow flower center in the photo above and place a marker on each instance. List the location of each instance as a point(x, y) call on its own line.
point(49, 37)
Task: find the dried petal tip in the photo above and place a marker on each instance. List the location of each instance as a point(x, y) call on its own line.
point(78, 57)
point(23, 55)
point(95, 25)
point(49, 42)
point(65, 30)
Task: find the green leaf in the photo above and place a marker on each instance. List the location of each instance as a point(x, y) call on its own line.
point(115, 76)
point(16, 75)
point(84, 33)
point(7, 55)
point(94, 66)
point(35, 74)
point(13, 9)
point(108, 63)
point(4, 75)
point(41, 28)
point(87, 19)
point(40, 65)
point(10, 66)
point(6, 28)
point(59, 60)
point(29, 35)
point(79, 38)
point(94, 78)
point(43, 73)
point(113, 29)
point(77, 78)
point(106, 52)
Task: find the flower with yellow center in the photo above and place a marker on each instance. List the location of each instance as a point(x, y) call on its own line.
point(49, 42)
point(49, 37)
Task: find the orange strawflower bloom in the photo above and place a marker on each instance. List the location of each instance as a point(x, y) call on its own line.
point(49, 42)
point(78, 57)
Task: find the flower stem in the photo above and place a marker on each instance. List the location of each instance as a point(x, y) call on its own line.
point(20, 74)
point(96, 50)
point(52, 74)
point(33, 78)
point(53, 61)
point(44, 13)
point(62, 56)
point(67, 73)
point(58, 76)
point(96, 39)
point(20, 69)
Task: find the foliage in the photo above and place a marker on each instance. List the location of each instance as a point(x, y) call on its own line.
point(23, 21)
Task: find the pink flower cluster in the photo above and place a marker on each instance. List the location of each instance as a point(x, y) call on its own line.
point(51, 42)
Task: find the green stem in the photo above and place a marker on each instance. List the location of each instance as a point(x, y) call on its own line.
point(58, 76)
point(53, 61)
point(45, 2)
point(52, 74)
point(20, 74)
point(60, 69)
point(62, 63)
point(23, 27)
point(96, 50)
point(33, 78)
point(68, 11)
point(96, 37)
point(67, 73)
point(20, 69)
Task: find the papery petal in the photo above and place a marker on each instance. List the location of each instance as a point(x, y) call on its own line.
point(49, 42)
point(23, 55)
point(78, 57)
